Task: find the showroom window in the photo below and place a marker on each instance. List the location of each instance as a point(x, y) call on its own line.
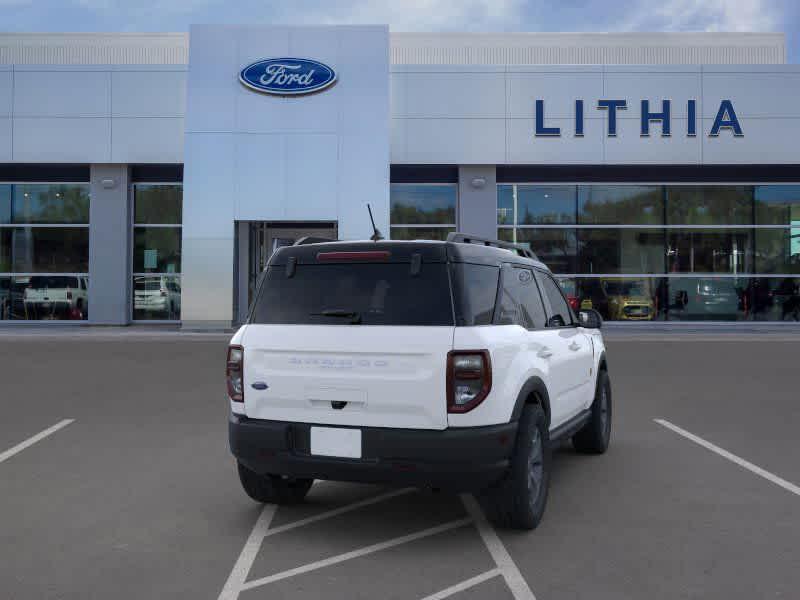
point(677, 252)
point(44, 251)
point(422, 210)
point(157, 214)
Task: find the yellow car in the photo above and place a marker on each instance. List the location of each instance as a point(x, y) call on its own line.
point(629, 299)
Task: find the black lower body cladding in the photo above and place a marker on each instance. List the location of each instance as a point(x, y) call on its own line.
point(456, 459)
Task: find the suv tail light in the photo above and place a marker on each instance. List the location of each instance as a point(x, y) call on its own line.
point(234, 373)
point(469, 379)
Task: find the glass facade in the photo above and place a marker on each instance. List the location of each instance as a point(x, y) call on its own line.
point(44, 251)
point(156, 263)
point(422, 210)
point(664, 252)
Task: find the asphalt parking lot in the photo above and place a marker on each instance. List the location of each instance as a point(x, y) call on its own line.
point(129, 491)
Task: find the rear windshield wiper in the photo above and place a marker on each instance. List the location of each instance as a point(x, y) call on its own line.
point(355, 317)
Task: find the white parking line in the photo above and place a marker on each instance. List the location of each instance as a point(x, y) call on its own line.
point(356, 553)
point(508, 568)
point(243, 564)
point(464, 585)
point(339, 511)
point(790, 487)
point(261, 530)
point(33, 439)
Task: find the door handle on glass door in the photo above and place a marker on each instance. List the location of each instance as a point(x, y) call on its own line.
point(574, 346)
point(544, 352)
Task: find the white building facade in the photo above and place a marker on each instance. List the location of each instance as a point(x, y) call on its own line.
point(143, 179)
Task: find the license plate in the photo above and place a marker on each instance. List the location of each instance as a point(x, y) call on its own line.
point(335, 441)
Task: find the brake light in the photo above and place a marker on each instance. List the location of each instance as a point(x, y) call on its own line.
point(574, 303)
point(469, 379)
point(234, 373)
point(354, 256)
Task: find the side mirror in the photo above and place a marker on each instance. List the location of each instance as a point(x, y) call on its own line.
point(556, 321)
point(590, 319)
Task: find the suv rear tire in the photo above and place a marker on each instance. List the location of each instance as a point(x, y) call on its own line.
point(518, 501)
point(594, 437)
point(273, 489)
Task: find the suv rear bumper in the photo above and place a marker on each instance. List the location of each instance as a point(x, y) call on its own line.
point(457, 459)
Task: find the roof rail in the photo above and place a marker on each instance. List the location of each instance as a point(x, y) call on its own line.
point(311, 239)
point(465, 238)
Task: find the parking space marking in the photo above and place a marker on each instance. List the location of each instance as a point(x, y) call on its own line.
point(356, 553)
point(241, 569)
point(506, 565)
point(339, 511)
point(464, 585)
point(33, 439)
point(788, 486)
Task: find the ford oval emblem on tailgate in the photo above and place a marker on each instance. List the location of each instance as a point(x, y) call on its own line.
point(287, 76)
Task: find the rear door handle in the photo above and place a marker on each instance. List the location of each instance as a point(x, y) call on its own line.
point(544, 353)
point(574, 346)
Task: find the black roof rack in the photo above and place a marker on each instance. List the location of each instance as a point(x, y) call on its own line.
point(465, 238)
point(311, 239)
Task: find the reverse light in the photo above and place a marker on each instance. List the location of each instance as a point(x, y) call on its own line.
point(234, 373)
point(469, 379)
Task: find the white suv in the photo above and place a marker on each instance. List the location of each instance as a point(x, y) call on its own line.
point(454, 365)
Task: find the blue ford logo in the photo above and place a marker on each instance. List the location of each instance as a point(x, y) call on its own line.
point(287, 76)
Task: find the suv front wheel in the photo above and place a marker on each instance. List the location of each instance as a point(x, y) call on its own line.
point(273, 489)
point(518, 501)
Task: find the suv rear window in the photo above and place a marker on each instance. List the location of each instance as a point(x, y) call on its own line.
point(355, 294)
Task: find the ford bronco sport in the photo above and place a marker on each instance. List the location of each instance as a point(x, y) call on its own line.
point(454, 365)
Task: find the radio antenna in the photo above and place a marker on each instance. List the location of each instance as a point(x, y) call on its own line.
point(376, 234)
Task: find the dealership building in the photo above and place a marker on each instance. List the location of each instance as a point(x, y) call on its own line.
point(148, 177)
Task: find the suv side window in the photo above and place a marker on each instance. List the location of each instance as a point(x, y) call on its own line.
point(520, 302)
point(558, 305)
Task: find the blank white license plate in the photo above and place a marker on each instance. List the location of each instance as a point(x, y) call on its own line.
point(334, 441)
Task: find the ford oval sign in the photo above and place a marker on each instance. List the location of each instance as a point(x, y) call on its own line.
point(287, 76)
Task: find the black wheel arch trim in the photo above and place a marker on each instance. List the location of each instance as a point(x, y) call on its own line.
point(534, 385)
point(602, 364)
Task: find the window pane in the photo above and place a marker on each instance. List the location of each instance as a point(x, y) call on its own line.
point(45, 203)
point(775, 299)
point(421, 204)
point(44, 250)
point(157, 249)
point(710, 251)
point(778, 250)
point(158, 204)
point(558, 305)
point(709, 205)
point(44, 297)
point(520, 302)
point(557, 248)
point(620, 251)
point(537, 204)
point(777, 205)
point(623, 298)
point(421, 233)
point(475, 292)
point(505, 204)
point(5, 203)
point(620, 204)
point(156, 297)
point(707, 299)
point(373, 294)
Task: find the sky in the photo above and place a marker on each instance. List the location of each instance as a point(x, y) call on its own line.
point(414, 15)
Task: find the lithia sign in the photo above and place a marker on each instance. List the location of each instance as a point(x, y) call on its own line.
point(725, 120)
